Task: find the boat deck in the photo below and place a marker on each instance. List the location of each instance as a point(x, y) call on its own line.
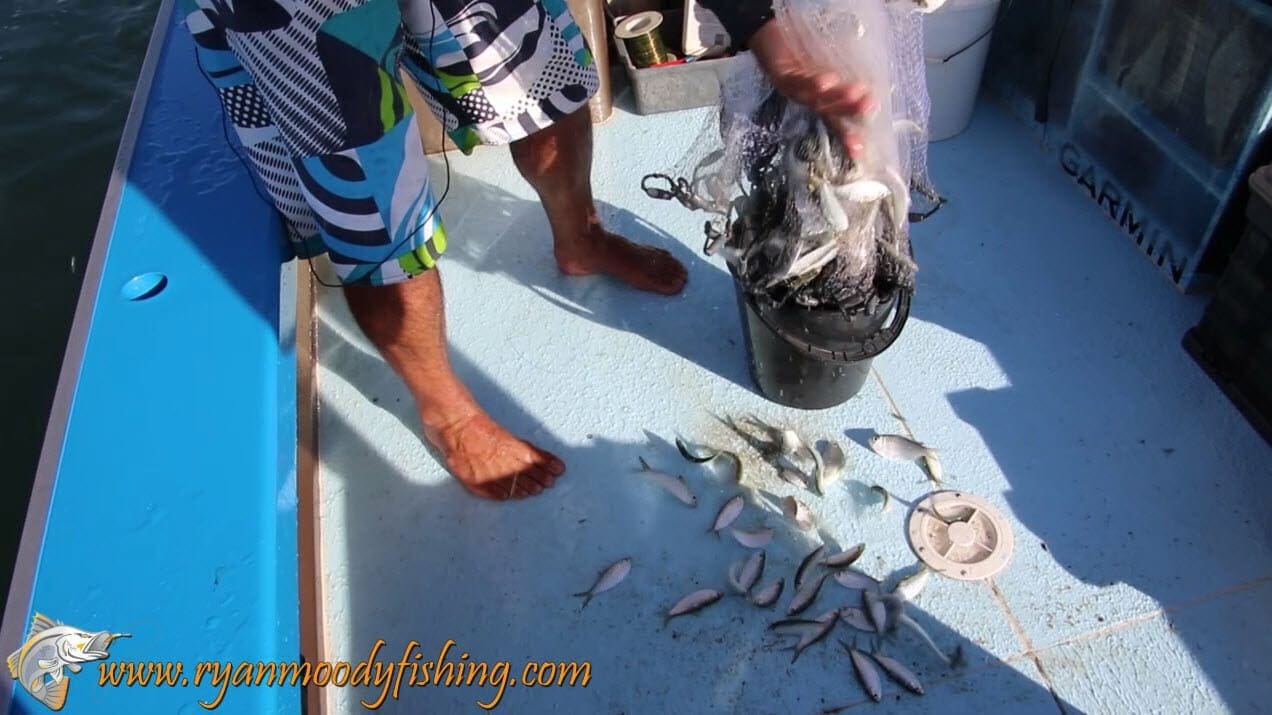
point(1042, 358)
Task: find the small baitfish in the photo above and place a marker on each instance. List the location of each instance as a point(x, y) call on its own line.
point(757, 539)
point(693, 603)
point(826, 625)
point(866, 672)
point(845, 558)
point(849, 578)
point(911, 586)
point(728, 514)
point(770, 594)
point(675, 486)
point(799, 513)
point(608, 579)
point(904, 449)
point(751, 571)
point(899, 673)
point(809, 561)
point(805, 596)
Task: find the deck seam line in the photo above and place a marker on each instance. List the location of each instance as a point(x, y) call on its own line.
point(1023, 637)
point(1152, 615)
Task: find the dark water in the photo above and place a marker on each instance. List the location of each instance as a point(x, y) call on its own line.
point(67, 72)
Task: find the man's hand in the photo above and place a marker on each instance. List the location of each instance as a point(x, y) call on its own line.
point(837, 100)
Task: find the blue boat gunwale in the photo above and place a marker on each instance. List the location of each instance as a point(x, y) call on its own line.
point(22, 583)
point(293, 313)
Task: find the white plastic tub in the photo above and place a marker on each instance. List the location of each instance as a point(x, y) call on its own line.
point(956, 43)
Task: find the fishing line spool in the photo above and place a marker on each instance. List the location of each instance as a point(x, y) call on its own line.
point(641, 35)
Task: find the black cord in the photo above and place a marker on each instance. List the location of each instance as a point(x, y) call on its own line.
point(1042, 109)
point(251, 173)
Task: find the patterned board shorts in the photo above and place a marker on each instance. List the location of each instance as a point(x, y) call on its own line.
point(313, 90)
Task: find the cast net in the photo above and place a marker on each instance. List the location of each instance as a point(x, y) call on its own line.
point(794, 216)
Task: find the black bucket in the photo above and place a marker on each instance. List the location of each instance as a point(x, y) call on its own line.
point(814, 359)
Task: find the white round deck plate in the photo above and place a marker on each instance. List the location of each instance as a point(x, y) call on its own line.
point(961, 536)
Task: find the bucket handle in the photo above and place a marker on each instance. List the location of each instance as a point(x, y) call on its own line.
point(975, 42)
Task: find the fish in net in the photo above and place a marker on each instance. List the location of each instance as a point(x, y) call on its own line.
point(793, 215)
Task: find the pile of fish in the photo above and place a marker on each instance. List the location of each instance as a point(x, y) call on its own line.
point(877, 615)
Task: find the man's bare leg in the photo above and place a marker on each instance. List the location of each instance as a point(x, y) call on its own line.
point(406, 322)
point(557, 162)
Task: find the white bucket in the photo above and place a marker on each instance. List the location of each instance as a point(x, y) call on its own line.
point(956, 43)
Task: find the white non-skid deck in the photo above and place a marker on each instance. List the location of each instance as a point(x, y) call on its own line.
point(1042, 358)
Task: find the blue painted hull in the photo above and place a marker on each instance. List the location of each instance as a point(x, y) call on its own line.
point(165, 503)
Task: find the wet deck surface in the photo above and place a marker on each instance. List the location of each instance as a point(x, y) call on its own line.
point(1042, 358)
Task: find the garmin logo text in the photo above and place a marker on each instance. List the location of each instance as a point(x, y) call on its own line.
point(1118, 206)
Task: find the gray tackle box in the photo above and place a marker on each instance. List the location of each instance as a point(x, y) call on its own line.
point(684, 86)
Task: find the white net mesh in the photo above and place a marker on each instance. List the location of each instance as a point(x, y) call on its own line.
point(795, 218)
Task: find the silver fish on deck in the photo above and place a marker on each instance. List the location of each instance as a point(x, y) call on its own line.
point(904, 449)
point(951, 661)
point(693, 603)
point(876, 609)
point(806, 564)
point(608, 579)
point(845, 558)
point(799, 513)
point(827, 624)
point(834, 463)
point(735, 576)
point(756, 539)
point(707, 455)
point(856, 618)
point(728, 514)
point(866, 672)
point(911, 586)
point(856, 580)
point(751, 571)
point(805, 596)
point(674, 485)
point(770, 594)
point(899, 673)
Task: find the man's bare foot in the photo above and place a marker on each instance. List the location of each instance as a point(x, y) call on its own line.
point(492, 463)
point(642, 267)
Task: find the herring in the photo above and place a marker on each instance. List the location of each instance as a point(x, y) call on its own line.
point(827, 622)
point(727, 514)
point(845, 558)
point(876, 609)
point(757, 539)
point(911, 586)
point(866, 672)
point(751, 571)
point(834, 462)
point(769, 594)
point(905, 620)
point(675, 486)
point(904, 449)
point(805, 596)
point(804, 565)
point(849, 578)
point(899, 673)
point(856, 618)
point(608, 579)
point(693, 603)
point(696, 458)
point(735, 576)
point(799, 513)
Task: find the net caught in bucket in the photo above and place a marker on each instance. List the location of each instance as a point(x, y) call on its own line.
point(795, 218)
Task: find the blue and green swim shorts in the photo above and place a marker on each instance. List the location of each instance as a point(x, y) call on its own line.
point(313, 91)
